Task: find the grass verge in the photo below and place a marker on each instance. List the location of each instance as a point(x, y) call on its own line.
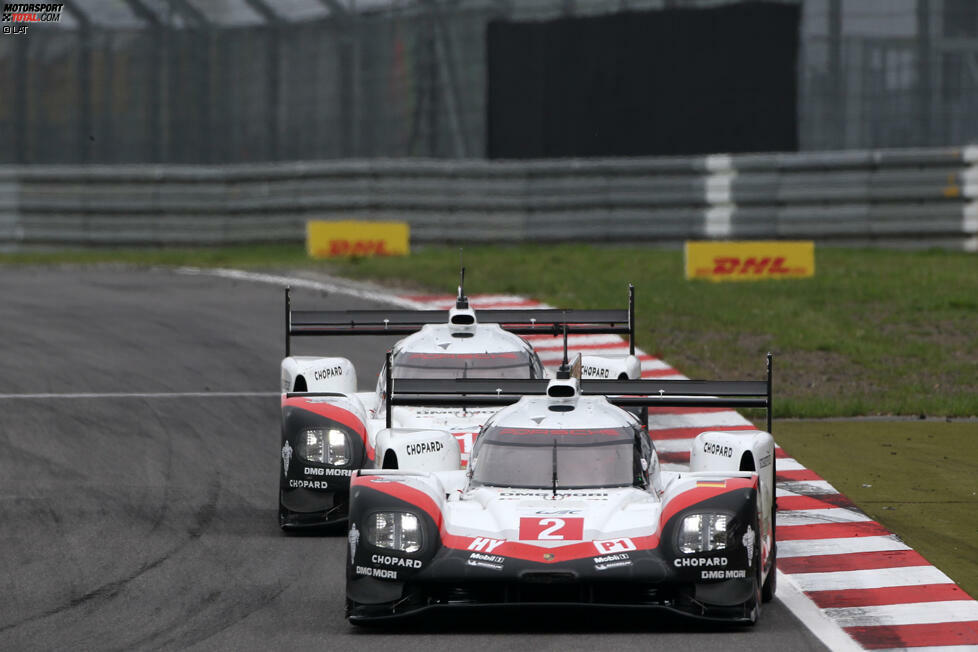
point(917, 478)
point(875, 332)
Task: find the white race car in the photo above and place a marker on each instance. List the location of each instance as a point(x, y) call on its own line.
point(564, 502)
point(329, 429)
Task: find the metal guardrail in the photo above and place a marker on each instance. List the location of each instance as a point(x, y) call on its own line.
point(927, 196)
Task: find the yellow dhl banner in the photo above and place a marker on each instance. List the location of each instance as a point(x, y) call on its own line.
point(749, 260)
point(352, 238)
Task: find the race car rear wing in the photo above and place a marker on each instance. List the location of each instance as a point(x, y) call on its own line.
point(623, 393)
point(535, 321)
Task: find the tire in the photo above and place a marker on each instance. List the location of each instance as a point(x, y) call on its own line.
point(754, 606)
point(283, 516)
point(771, 583)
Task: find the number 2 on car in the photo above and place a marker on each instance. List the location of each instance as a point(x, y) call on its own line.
point(551, 529)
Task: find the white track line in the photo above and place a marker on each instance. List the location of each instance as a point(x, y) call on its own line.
point(781, 491)
point(557, 356)
point(933, 648)
point(827, 630)
point(870, 579)
point(806, 488)
point(820, 516)
point(476, 301)
point(672, 445)
point(556, 342)
point(675, 468)
point(790, 464)
point(697, 420)
point(96, 395)
point(905, 614)
point(813, 547)
point(295, 282)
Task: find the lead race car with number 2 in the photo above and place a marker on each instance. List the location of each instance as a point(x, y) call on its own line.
point(329, 429)
point(564, 502)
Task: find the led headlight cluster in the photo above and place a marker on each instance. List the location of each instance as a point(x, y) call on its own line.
point(394, 531)
point(703, 532)
point(326, 446)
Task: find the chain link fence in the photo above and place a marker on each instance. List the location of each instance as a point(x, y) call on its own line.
point(888, 73)
point(237, 81)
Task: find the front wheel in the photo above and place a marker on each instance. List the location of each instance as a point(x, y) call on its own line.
point(283, 517)
point(754, 606)
point(771, 583)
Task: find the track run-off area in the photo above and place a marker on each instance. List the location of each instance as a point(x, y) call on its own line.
point(139, 430)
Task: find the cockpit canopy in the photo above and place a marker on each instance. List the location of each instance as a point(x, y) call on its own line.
point(506, 364)
point(583, 458)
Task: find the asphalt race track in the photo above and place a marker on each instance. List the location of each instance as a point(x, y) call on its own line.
point(133, 522)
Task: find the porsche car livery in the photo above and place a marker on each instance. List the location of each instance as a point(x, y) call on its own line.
point(565, 502)
point(329, 429)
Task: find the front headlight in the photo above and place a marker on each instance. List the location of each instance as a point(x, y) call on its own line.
point(330, 446)
point(703, 532)
point(394, 531)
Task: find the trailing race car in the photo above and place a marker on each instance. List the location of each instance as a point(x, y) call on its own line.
point(329, 429)
point(564, 502)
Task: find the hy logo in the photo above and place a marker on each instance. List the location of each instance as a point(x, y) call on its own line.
point(286, 458)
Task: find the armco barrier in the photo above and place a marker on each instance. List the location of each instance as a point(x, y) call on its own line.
point(920, 196)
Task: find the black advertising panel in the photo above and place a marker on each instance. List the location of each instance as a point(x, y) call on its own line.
point(676, 81)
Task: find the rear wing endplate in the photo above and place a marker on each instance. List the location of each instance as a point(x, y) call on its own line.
point(530, 321)
point(623, 393)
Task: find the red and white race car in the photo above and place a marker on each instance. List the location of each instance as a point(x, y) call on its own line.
point(564, 502)
point(329, 429)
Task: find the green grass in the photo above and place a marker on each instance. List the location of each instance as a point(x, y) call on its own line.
point(917, 478)
point(242, 256)
point(875, 332)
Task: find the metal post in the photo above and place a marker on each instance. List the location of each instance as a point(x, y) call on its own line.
point(347, 108)
point(388, 389)
point(288, 321)
point(152, 75)
point(273, 34)
point(103, 151)
point(770, 407)
point(22, 72)
point(84, 92)
point(836, 74)
point(924, 87)
point(631, 319)
point(431, 75)
point(452, 98)
point(203, 70)
point(356, 99)
point(83, 125)
point(226, 113)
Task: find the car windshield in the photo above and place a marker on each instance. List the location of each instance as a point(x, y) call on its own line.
point(586, 458)
point(510, 364)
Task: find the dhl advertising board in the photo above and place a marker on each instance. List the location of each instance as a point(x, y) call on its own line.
point(749, 261)
point(351, 238)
